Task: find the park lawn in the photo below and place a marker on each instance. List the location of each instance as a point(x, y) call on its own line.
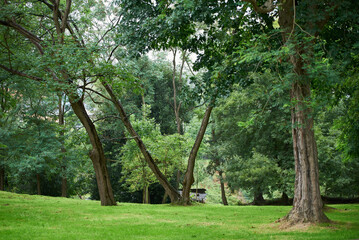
point(38, 217)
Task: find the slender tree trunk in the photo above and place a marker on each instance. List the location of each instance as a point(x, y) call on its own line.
point(176, 107)
point(307, 203)
point(223, 190)
point(188, 178)
point(38, 184)
point(63, 150)
point(172, 192)
point(145, 195)
point(96, 154)
point(2, 178)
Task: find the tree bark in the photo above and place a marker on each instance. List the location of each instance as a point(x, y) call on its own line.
point(307, 203)
point(188, 178)
point(96, 154)
point(223, 190)
point(2, 178)
point(171, 191)
point(38, 184)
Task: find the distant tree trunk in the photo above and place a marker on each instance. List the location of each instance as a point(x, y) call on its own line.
point(2, 178)
point(38, 184)
point(307, 203)
point(223, 190)
point(63, 150)
point(172, 192)
point(96, 154)
point(258, 198)
point(285, 199)
point(188, 178)
point(177, 106)
point(164, 199)
point(146, 195)
point(64, 187)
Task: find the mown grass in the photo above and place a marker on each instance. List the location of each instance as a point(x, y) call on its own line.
point(38, 217)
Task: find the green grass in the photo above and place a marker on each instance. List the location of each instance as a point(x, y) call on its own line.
point(38, 217)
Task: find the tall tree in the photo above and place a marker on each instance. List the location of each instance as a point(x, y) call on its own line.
point(54, 47)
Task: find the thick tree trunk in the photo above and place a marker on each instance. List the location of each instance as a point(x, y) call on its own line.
point(2, 178)
point(223, 190)
point(188, 178)
point(96, 154)
point(38, 184)
point(307, 203)
point(171, 191)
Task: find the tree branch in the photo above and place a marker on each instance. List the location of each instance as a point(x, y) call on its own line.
point(267, 7)
point(100, 94)
point(15, 72)
point(66, 15)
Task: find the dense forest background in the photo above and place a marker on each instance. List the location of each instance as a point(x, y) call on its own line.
point(86, 85)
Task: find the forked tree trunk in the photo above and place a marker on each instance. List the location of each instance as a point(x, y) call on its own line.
point(96, 154)
point(188, 177)
point(38, 184)
point(307, 203)
point(171, 191)
point(2, 178)
point(223, 190)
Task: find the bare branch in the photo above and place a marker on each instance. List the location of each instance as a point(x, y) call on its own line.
point(112, 52)
point(109, 30)
point(100, 94)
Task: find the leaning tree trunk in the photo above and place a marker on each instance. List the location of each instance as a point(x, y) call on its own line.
point(96, 154)
point(172, 192)
point(188, 177)
point(307, 203)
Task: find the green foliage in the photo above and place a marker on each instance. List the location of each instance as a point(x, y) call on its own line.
point(168, 152)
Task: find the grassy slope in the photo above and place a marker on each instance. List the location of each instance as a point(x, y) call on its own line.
point(37, 217)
